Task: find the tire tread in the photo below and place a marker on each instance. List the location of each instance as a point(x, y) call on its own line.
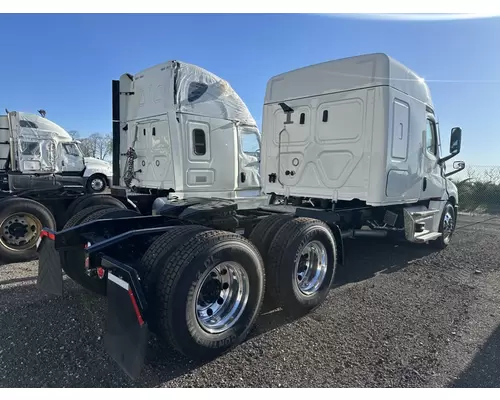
point(287, 234)
point(179, 260)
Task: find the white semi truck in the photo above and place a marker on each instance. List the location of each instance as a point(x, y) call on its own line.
point(216, 219)
point(41, 165)
point(35, 153)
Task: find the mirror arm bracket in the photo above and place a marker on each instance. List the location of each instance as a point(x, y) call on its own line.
point(454, 172)
point(444, 159)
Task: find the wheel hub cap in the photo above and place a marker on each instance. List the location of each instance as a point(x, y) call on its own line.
point(448, 226)
point(311, 268)
point(20, 231)
point(96, 184)
point(221, 297)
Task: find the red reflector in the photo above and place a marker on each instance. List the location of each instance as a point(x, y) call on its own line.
point(100, 272)
point(136, 307)
point(49, 235)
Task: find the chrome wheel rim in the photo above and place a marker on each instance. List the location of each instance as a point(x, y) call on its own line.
point(448, 225)
point(97, 184)
point(20, 231)
point(221, 297)
point(311, 268)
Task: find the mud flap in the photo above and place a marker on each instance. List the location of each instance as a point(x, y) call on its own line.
point(50, 276)
point(127, 334)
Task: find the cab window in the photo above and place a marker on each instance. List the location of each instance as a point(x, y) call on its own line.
point(199, 142)
point(196, 90)
point(27, 124)
point(72, 149)
point(30, 148)
point(250, 143)
point(431, 137)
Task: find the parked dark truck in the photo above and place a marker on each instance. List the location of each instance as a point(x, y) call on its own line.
point(217, 224)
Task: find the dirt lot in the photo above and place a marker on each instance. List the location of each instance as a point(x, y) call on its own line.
point(400, 315)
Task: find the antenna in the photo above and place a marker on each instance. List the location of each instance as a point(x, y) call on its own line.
point(42, 113)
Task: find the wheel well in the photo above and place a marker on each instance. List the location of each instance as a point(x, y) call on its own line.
point(100, 174)
point(453, 201)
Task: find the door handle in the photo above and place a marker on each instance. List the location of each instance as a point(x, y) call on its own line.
point(243, 177)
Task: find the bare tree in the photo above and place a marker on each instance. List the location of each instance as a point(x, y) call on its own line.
point(97, 145)
point(472, 174)
point(104, 146)
point(74, 134)
point(492, 175)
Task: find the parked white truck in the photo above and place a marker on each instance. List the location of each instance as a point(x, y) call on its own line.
point(42, 165)
point(36, 153)
point(349, 147)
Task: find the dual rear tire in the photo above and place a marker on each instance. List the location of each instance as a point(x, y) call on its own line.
point(205, 288)
point(300, 257)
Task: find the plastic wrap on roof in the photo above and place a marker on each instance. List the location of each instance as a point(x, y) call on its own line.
point(203, 93)
point(37, 126)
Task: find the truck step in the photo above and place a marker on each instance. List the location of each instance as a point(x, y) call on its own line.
point(425, 236)
point(417, 215)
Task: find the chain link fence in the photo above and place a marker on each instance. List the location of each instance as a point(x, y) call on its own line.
point(479, 189)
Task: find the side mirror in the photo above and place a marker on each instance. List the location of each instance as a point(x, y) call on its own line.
point(455, 144)
point(457, 167)
point(460, 165)
point(455, 141)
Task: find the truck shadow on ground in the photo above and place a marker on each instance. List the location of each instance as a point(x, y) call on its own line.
point(368, 257)
point(484, 370)
point(365, 258)
point(49, 341)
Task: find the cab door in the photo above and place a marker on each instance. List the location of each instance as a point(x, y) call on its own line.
point(210, 157)
point(433, 182)
point(70, 160)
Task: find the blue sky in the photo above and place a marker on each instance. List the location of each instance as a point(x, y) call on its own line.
point(65, 63)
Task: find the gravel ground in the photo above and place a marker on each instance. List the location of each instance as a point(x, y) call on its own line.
point(400, 315)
